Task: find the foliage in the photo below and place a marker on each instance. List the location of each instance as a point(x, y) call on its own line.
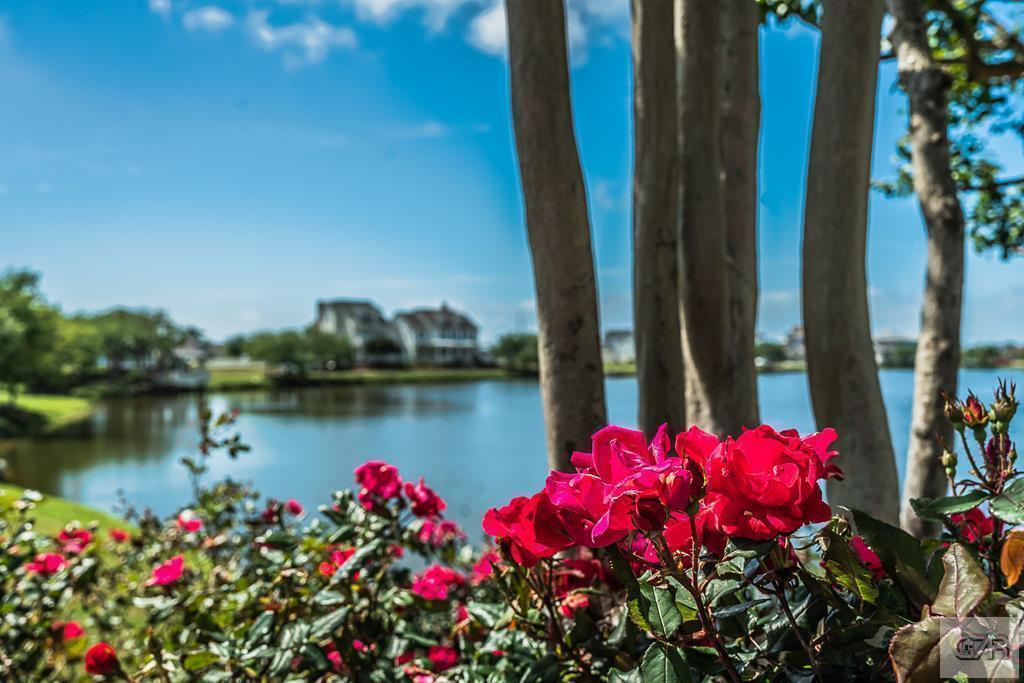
point(771, 352)
point(299, 352)
point(651, 562)
point(135, 339)
point(28, 331)
point(979, 45)
point(516, 352)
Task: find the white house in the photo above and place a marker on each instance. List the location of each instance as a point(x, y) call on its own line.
point(438, 336)
point(619, 347)
point(376, 340)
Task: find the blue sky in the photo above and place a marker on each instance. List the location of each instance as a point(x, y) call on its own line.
point(232, 162)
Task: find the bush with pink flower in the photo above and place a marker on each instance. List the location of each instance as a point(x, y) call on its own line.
point(685, 557)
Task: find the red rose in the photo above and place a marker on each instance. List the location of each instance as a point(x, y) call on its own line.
point(763, 483)
point(69, 630)
point(118, 535)
point(442, 657)
point(293, 507)
point(46, 564)
point(436, 582)
point(101, 660)
point(529, 528)
point(379, 481)
point(974, 526)
point(74, 540)
point(867, 557)
point(425, 503)
point(484, 567)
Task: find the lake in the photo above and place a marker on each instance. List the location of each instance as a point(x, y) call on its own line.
point(478, 443)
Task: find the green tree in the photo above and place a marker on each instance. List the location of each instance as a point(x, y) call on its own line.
point(29, 333)
point(330, 351)
point(136, 338)
point(517, 352)
point(287, 348)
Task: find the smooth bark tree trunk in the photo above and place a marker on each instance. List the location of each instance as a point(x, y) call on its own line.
point(661, 386)
point(841, 366)
point(715, 397)
point(938, 345)
point(571, 374)
point(741, 124)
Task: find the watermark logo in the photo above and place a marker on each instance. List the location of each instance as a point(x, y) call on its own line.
point(982, 648)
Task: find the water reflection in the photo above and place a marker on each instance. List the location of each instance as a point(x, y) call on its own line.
point(478, 443)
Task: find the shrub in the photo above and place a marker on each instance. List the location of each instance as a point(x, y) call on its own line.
point(698, 559)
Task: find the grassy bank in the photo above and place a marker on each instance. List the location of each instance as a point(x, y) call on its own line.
point(53, 513)
point(38, 414)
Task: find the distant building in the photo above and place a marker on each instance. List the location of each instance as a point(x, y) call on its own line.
point(794, 343)
point(375, 339)
point(619, 347)
point(438, 336)
point(895, 352)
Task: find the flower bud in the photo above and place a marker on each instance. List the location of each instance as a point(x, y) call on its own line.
point(948, 459)
point(649, 513)
point(975, 415)
point(953, 412)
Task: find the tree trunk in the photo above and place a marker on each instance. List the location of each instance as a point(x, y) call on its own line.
point(841, 364)
point(713, 392)
point(938, 345)
point(741, 125)
point(661, 387)
point(571, 374)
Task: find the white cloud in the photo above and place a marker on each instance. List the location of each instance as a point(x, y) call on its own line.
point(306, 42)
point(488, 31)
point(435, 12)
point(161, 7)
point(209, 18)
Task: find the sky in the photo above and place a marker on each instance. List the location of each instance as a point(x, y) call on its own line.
point(232, 162)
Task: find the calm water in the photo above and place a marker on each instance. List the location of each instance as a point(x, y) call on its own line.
point(478, 443)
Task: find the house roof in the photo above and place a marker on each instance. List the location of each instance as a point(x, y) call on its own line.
point(617, 336)
point(424, 319)
point(362, 309)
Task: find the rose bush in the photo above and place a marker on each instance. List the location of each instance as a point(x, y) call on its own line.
point(675, 559)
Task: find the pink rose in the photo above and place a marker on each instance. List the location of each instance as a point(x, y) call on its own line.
point(378, 481)
point(425, 503)
point(442, 657)
point(436, 582)
point(168, 572)
point(46, 564)
point(188, 522)
point(868, 557)
point(74, 540)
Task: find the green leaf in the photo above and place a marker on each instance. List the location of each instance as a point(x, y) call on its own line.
point(664, 664)
point(657, 607)
point(900, 554)
point(847, 570)
point(937, 509)
point(260, 628)
point(200, 660)
point(964, 585)
point(1009, 505)
point(739, 608)
point(328, 623)
point(914, 651)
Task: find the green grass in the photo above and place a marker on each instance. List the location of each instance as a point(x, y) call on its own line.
point(53, 513)
point(54, 412)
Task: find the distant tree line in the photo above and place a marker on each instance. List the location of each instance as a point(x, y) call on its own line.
point(294, 351)
point(43, 349)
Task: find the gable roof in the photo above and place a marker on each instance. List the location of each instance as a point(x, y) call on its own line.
point(361, 309)
point(425, 319)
